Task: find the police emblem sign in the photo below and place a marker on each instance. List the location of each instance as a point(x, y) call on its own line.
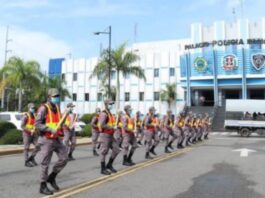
point(258, 61)
point(230, 62)
point(200, 64)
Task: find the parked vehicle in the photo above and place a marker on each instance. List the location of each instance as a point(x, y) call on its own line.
point(79, 126)
point(245, 116)
point(13, 117)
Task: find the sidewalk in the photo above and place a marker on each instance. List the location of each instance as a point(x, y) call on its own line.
point(14, 149)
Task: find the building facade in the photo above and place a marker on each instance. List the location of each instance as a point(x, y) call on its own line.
point(224, 61)
point(161, 63)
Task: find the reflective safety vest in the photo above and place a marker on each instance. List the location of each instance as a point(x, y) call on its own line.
point(30, 122)
point(154, 123)
point(191, 122)
point(97, 123)
point(181, 122)
point(170, 124)
point(139, 123)
point(52, 120)
point(118, 122)
point(111, 122)
point(130, 124)
point(68, 120)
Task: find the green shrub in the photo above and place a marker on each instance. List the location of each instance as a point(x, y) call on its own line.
point(87, 118)
point(86, 132)
point(12, 136)
point(5, 126)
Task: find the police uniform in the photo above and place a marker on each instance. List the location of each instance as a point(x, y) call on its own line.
point(118, 131)
point(168, 131)
point(95, 132)
point(129, 139)
point(69, 133)
point(150, 132)
point(107, 141)
point(47, 119)
point(30, 136)
point(139, 128)
point(178, 125)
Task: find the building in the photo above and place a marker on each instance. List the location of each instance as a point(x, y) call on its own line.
point(224, 61)
point(55, 67)
point(160, 61)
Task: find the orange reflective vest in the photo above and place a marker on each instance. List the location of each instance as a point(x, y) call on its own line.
point(111, 122)
point(30, 125)
point(52, 120)
point(130, 124)
point(154, 123)
point(97, 123)
point(69, 121)
point(181, 122)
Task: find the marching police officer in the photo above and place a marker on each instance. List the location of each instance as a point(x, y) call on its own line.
point(139, 127)
point(129, 139)
point(118, 130)
point(168, 131)
point(69, 132)
point(47, 121)
point(30, 135)
point(150, 131)
point(107, 127)
point(95, 131)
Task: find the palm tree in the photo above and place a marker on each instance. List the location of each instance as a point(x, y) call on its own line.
point(104, 90)
point(24, 76)
point(122, 62)
point(169, 94)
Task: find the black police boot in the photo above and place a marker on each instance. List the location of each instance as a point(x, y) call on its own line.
point(170, 145)
point(33, 161)
point(125, 161)
point(98, 146)
point(152, 150)
point(129, 159)
point(140, 143)
point(110, 167)
point(104, 171)
point(95, 152)
point(147, 156)
point(180, 146)
point(166, 150)
point(44, 189)
point(51, 180)
point(70, 156)
point(29, 164)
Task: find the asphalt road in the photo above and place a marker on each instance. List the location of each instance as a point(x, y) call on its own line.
point(211, 170)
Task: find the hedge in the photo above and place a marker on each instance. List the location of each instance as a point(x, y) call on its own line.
point(87, 118)
point(86, 132)
point(5, 126)
point(12, 136)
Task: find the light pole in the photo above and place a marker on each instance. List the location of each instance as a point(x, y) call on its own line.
point(109, 68)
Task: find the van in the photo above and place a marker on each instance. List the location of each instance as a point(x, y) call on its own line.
point(12, 117)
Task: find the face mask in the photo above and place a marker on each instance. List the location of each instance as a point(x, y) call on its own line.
point(32, 111)
point(55, 100)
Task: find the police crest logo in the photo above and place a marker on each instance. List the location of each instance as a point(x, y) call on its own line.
point(230, 62)
point(200, 64)
point(258, 61)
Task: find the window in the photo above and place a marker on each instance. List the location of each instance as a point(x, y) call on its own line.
point(156, 72)
point(86, 96)
point(113, 75)
point(141, 96)
point(74, 76)
point(74, 96)
point(126, 76)
point(171, 71)
point(18, 116)
point(127, 96)
point(100, 77)
point(156, 96)
point(5, 117)
point(100, 97)
point(63, 77)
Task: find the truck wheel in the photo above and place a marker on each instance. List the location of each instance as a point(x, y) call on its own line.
point(245, 132)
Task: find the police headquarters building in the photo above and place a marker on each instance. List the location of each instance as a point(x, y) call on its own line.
point(218, 62)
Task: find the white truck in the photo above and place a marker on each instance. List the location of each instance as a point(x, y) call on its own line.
point(245, 116)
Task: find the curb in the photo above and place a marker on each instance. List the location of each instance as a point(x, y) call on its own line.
point(20, 150)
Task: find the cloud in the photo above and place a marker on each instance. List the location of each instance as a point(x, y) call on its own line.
point(24, 4)
point(30, 45)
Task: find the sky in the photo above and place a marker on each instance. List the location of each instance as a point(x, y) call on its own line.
point(44, 29)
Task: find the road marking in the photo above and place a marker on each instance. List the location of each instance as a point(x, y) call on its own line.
point(244, 151)
point(68, 192)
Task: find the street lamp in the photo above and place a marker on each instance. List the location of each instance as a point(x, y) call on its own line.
point(109, 68)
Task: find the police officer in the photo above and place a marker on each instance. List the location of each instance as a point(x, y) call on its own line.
point(177, 129)
point(129, 139)
point(118, 130)
point(150, 132)
point(30, 135)
point(139, 127)
point(47, 120)
point(168, 131)
point(69, 132)
point(95, 131)
point(107, 127)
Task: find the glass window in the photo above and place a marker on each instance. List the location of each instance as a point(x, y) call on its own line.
point(74, 96)
point(171, 71)
point(18, 116)
point(156, 96)
point(86, 96)
point(156, 72)
point(74, 76)
point(127, 96)
point(141, 96)
point(100, 97)
point(113, 75)
point(127, 76)
point(5, 117)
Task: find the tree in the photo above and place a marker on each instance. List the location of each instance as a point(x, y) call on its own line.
point(22, 75)
point(169, 94)
point(122, 62)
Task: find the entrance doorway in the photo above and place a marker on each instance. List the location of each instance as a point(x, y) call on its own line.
point(256, 94)
point(206, 98)
point(232, 94)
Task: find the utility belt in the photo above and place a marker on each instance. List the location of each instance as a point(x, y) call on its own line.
point(50, 135)
point(151, 129)
point(108, 131)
